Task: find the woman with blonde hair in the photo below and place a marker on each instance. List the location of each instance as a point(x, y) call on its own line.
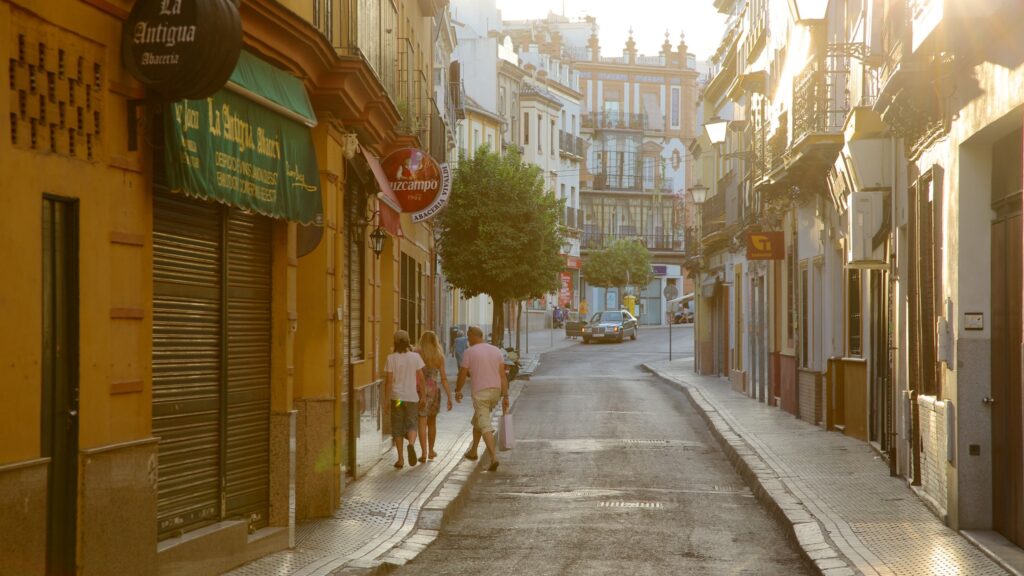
point(430, 401)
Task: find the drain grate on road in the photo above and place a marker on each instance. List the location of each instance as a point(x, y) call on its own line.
point(636, 442)
point(640, 505)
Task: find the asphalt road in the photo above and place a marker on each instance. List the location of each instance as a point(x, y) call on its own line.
point(613, 473)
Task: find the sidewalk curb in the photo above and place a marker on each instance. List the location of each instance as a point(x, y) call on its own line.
point(436, 513)
point(801, 526)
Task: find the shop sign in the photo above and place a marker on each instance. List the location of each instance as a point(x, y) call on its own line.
point(565, 290)
point(229, 149)
point(572, 262)
point(420, 183)
point(182, 48)
point(659, 269)
point(766, 246)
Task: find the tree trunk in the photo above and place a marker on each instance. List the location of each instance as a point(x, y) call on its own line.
point(497, 321)
point(519, 321)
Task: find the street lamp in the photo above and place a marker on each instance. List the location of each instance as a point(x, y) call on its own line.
point(716, 131)
point(699, 193)
point(377, 238)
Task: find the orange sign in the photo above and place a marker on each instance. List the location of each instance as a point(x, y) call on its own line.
point(766, 246)
point(420, 183)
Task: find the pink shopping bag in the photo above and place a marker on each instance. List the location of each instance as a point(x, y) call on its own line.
point(506, 433)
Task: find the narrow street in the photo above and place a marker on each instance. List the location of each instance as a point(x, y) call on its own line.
point(613, 473)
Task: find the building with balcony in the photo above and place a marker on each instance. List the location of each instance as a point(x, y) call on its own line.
point(550, 110)
point(637, 113)
point(881, 142)
point(224, 325)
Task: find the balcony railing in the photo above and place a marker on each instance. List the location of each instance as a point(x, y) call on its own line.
point(821, 98)
point(761, 162)
point(713, 215)
point(569, 217)
point(438, 134)
point(615, 121)
point(364, 35)
point(596, 240)
point(618, 181)
point(570, 144)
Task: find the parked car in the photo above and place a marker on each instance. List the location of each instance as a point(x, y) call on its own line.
point(610, 325)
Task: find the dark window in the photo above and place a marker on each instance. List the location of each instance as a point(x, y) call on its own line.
point(805, 333)
point(356, 254)
point(791, 287)
point(853, 313)
point(409, 298)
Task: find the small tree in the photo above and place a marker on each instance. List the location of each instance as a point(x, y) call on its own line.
point(499, 233)
point(625, 262)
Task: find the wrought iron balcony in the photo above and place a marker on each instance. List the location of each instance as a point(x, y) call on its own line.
point(570, 145)
point(671, 242)
point(616, 180)
point(615, 121)
point(712, 215)
point(438, 134)
point(821, 100)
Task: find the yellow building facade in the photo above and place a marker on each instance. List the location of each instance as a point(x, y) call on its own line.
point(103, 359)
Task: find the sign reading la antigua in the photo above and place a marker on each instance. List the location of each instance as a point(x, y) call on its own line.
point(420, 183)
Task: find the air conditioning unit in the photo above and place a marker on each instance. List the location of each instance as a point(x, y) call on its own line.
point(864, 219)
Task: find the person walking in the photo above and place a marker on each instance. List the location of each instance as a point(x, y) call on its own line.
point(430, 400)
point(484, 364)
point(461, 345)
point(403, 388)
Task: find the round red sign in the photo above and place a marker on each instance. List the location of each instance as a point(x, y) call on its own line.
point(419, 182)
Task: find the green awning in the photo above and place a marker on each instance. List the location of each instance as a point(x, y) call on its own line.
point(249, 146)
point(272, 88)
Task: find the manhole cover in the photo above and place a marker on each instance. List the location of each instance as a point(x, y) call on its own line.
point(635, 505)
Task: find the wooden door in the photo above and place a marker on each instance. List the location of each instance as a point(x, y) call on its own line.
point(59, 403)
point(1007, 445)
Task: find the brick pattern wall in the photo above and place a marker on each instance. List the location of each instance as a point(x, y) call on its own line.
point(809, 391)
point(56, 83)
point(933, 449)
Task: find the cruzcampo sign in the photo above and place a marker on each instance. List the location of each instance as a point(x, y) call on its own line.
point(230, 149)
point(420, 183)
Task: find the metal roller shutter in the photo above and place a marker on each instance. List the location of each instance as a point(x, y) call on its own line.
point(187, 363)
point(248, 377)
point(211, 363)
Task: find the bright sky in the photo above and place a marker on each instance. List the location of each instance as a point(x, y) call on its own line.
point(700, 21)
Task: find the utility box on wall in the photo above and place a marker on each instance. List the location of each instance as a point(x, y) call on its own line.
point(864, 220)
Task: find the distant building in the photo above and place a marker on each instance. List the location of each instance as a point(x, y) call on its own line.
point(637, 116)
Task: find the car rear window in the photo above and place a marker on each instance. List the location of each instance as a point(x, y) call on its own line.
point(607, 317)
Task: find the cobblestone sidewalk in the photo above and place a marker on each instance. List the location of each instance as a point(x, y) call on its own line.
point(389, 515)
point(848, 515)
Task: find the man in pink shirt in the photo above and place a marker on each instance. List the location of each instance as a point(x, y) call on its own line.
point(485, 366)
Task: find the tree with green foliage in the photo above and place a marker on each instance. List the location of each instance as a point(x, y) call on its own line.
point(624, 262)
point(499, 233)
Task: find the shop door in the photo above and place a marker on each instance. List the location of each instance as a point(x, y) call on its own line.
point(1007, 445)
point(59, 403)
point(246, 394)
point(211, 363)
